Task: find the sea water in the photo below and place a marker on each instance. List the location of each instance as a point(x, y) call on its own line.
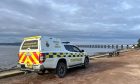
point(8, 56)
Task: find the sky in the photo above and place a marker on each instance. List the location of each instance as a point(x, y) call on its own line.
point(71, 20)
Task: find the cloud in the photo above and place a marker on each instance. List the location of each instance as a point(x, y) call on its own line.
point(70, 19)
point(126, 6)
point(15, 14)
point(31, 1)
point(63, 7)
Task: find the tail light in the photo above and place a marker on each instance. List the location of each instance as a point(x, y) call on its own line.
point(41, 58)
point(18, 56)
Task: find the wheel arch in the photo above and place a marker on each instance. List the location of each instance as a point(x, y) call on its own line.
point(87, 57)
point(62, 60)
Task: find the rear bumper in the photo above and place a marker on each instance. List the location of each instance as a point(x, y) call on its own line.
point(34, 67)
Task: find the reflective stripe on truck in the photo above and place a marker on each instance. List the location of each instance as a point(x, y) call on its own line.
point(29, 57)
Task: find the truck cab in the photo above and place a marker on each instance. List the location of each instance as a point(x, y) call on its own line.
point(41, 53)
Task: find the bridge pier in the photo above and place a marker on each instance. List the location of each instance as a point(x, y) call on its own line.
point(117, 46)
point(122, 46)
point(104, 46)
point(112, 46)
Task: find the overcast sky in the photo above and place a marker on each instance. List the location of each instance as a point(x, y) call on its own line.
point(74, 20)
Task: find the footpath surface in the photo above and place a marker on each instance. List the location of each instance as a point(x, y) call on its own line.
point(124, 69)
point(10, 73)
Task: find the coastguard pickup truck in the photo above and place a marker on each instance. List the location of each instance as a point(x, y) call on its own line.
point(41, 53)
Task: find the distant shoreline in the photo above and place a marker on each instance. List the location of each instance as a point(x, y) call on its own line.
point(10, 44)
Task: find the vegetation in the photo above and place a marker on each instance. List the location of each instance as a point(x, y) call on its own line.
point(138, 45)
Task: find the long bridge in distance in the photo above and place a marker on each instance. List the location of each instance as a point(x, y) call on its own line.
point(108, 46)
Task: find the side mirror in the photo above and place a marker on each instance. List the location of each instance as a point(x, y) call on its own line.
point(82, 51)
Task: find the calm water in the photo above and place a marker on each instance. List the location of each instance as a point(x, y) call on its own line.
point(9, 58)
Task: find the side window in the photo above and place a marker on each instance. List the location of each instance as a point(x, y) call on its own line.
point(76, 49)
point(69, 48)
point(72, 48)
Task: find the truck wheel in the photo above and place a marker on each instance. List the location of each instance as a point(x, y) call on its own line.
point(86, 62)
point(61, 69)
point(42, 72)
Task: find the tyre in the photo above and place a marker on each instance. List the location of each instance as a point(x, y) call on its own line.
point(42, 72)
point(86, 62)
point(61, 69)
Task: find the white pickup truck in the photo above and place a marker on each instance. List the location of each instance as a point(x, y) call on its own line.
point(41, 53)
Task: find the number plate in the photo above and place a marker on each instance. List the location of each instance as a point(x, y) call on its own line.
point(29, 65)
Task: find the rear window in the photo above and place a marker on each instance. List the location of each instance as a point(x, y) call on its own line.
point(33, 44)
